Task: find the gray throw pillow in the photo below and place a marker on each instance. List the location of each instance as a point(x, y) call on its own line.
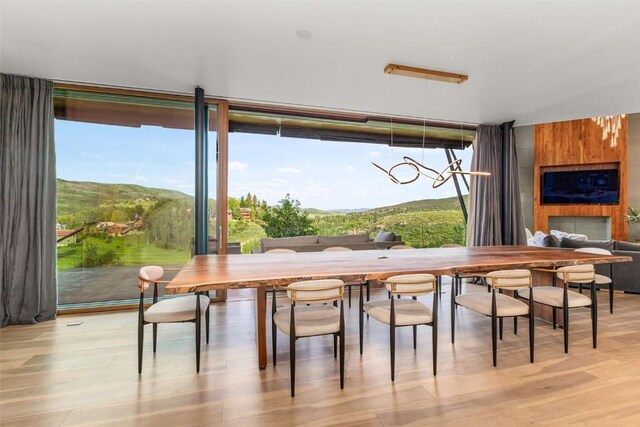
point(385, 236)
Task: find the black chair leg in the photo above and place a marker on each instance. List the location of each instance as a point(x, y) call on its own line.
point(501, 322)
point(198, 332)
point(532, 320)
point(453, 307)
point(274, 340)
point(335, 346)
point(206, 325)
point(140, 347)
point(494, 340)
point(553, 317)
point(342, 359)
point(415, 341)
point(594, 315)
point(565, 328)
point(349, 295)
point(392, 344)
point(515, 325)
point(611, 298)
point(360, 317)
point(292, 358)
point(368, 285)
point(155, 336)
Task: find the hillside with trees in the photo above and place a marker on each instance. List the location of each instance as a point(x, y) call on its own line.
point(156, 225)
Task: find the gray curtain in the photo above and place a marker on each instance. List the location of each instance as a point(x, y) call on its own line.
point(495, 212)
point(27, 201)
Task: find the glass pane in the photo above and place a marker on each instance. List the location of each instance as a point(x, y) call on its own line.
point(125, 191)
point(336, 183)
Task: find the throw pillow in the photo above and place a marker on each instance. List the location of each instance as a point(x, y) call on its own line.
point(385, 236)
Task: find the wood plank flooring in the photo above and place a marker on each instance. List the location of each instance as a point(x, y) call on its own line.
point(55, 374)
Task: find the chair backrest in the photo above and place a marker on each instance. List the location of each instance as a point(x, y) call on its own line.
point(316, 291)
point(598, 251)
point(577, 273)
point(336, 249)
point(519, 278)
point(280, 251)
point(149, 274)
point(401, 247)
point(411, 284)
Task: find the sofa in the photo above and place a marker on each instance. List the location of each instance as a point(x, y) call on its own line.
point(383, 240)
point(625, 275)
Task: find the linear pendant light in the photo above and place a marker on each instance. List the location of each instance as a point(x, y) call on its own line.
point(424, 73)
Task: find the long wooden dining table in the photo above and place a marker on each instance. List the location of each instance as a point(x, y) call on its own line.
point(222, 272)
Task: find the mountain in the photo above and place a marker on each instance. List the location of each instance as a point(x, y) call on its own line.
point(446, 204)
point(78, 196)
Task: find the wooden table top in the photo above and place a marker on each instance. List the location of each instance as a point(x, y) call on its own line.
point(216, 272)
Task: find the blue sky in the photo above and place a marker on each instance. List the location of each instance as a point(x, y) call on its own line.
point(321, 174)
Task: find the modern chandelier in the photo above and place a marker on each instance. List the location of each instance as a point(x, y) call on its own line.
point(610, 125)
point(416, 168)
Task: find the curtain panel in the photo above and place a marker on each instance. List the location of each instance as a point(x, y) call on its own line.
point(495, 212)
point(27, 201)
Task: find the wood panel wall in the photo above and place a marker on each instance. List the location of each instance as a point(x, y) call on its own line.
point(575, 145)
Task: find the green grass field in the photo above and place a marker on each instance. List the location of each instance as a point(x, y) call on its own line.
point(131, 249)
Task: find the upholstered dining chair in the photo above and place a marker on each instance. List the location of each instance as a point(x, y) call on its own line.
point(318, 318)
point(189, 308)
point(601, 280)
point(349, 285)
point(497, 305)
point(565, 299)
point(405, 312)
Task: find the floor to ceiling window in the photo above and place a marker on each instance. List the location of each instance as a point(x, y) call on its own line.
point(325, 164)
point(125, 167)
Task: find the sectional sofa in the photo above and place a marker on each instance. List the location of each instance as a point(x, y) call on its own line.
point(384, 240)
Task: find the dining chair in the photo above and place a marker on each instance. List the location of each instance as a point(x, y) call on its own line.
point(189, 308)
point(349, 285)
point(601, 279)
point(498, 305)
point(405, 312)
point(317, 318)
point(565, 299)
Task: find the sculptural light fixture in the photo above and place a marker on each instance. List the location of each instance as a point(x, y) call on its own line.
point(610, 125)
point(438, 178)
point(454, 168)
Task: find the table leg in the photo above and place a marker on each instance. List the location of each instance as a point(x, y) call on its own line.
point(261, 326)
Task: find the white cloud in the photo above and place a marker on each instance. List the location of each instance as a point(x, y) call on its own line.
point(169, 180)
point(289, 170)
point(238, 166)
point(91, 155)
point(349, 168)
point(140, 178)
point(279, 181)
point(374, 154)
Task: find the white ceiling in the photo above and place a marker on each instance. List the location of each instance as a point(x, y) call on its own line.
point(531, 61)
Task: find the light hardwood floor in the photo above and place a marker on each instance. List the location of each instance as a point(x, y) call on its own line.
point(55, 374)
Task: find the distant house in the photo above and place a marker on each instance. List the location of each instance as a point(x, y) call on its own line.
point(102, 226)
point(136, 224)
point(62, 238)
point(118, 229)
point(245, 213)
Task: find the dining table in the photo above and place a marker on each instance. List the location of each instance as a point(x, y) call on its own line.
point(260, 271)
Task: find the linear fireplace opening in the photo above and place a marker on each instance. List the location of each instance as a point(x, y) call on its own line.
point(596, 227)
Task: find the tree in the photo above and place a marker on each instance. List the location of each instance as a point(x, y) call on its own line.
point(286, 220)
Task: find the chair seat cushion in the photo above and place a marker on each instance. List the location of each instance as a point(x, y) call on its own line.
point(181, 309)
point(551, 295)
point(310, 320)
point(602, 280)
point(408, 312)
point(481, 302)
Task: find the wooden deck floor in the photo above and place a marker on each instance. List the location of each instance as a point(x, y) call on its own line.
point(56, 374)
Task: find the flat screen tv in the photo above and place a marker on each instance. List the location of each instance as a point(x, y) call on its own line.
point(583, 187)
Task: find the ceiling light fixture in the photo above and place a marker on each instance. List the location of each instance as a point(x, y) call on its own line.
point(424, 73)
point(304, 34)
point(417, 168)
point(610, 125)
